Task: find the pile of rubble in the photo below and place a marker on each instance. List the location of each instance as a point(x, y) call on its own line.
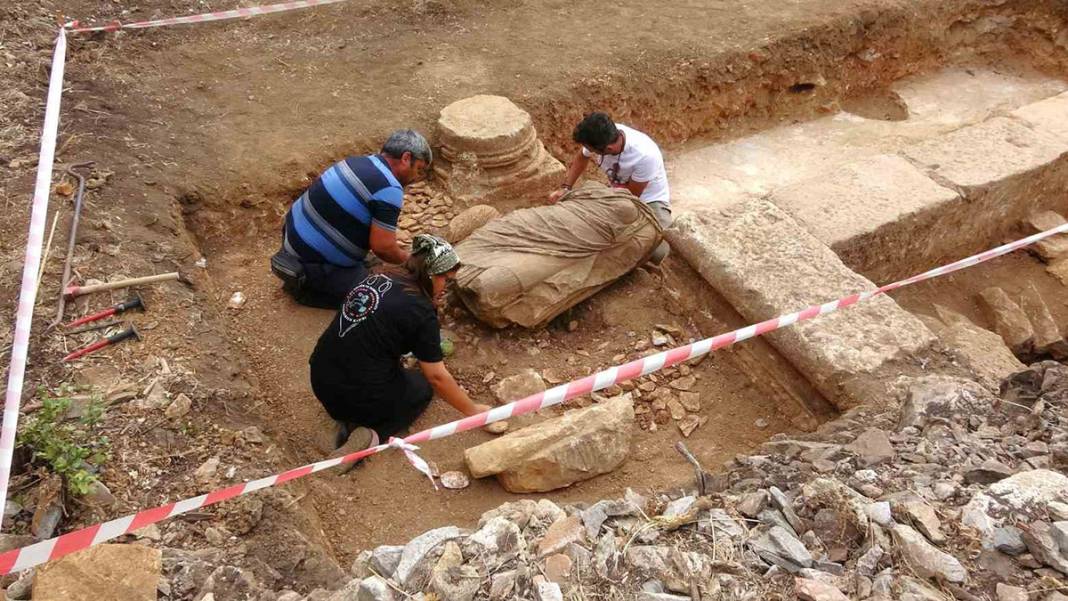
point(954, 494)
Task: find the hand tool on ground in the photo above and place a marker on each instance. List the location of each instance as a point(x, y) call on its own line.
point(134, 302)
point(76, 291)
point(100, 325)
point(130, 332)
point(72, 239)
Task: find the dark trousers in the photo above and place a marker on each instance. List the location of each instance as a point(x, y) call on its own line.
point(395, 406)
point(325, 285)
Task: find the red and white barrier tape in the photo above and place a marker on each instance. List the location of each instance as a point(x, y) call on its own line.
point(38, 553)
point(222, 15)
point(28, 295)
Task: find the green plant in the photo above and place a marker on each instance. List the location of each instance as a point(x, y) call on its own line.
point(73, 449)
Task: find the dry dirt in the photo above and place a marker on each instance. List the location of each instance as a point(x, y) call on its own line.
point(210, 131)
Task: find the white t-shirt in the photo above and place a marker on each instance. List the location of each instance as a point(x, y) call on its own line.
point(640, 161)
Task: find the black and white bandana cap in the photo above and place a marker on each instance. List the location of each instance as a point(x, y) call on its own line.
point(441, 258)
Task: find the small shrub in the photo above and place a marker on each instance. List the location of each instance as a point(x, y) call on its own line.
point(74, 449)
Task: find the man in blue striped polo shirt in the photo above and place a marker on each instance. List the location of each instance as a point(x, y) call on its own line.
point(350, 210)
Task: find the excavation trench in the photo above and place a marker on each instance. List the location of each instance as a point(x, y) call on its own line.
point(783, 123)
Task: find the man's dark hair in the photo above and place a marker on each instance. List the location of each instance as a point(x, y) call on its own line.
point(596, 130)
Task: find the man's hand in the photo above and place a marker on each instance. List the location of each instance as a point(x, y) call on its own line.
point(557, 195)
point(480, 408)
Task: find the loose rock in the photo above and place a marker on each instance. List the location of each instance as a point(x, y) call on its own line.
point(558, 452)
point(924, 558)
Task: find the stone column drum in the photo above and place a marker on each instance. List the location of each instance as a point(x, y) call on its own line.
point(490, 154)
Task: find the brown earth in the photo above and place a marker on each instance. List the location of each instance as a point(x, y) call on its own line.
point(210, 130)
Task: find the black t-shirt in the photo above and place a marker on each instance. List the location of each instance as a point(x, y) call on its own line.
point(382, 318)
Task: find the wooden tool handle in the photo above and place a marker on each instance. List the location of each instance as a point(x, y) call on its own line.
point(74, 291)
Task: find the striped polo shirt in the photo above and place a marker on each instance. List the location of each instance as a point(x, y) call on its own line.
point(331, 222)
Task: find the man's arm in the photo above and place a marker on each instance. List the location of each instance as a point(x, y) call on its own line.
point(636, 188)
point(447, 388)
point(385, 246)
point(574, 171)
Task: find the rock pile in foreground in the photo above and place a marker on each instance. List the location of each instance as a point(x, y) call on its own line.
point(955, 493)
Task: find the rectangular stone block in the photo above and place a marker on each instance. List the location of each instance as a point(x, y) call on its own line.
point(765, 264)
point(558, 452)
point(883, 217)
point(1049, 115)
point(1004, 170)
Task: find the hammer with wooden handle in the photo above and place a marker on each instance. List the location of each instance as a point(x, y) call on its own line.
point(76, 291)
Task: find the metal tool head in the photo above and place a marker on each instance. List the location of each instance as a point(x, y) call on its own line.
point(134, 302)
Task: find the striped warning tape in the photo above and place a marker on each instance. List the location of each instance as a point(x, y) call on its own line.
point(41, 552)
point(20, 346)
point(222, 15)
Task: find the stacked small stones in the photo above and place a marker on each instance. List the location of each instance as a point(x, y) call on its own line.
point(490, 153)
point(952, 493)
point(426, 210)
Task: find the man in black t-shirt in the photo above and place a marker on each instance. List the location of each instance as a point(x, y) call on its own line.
point(356, 370)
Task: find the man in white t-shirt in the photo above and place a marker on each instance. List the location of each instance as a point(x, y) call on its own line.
point(629, 158)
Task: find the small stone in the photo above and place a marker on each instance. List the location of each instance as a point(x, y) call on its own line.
point(558, 568)
point(549, 591)
point(1058, 511)
point(99, 495)
point(179, 407)
point(207, 470)
point(215, 536)
point(562, 533)
point(872, 447)
point(880, 513)
point(519, 386)
point(1010, 321)
point(988, 472)
point(679, 506)
point(1010, 593)
point(373, 588)
point(676, 409)
point(761, 423)
point(780, 501)
point(455, 480)
point(684, 383)
point(690, 423)
point(922, 516)
point(496, 427)
point(778, 546)
point(691, 401)
point(924, 558)
point(868, 563)
point(502, 585)
point(814, 590)
point(944, 490)
point(384, 559)
point(752, 504)
point(21, 589)
point(1009, 540)
point(413, 568)
point(237, 300)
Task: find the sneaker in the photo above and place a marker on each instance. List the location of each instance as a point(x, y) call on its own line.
point(359, 439)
